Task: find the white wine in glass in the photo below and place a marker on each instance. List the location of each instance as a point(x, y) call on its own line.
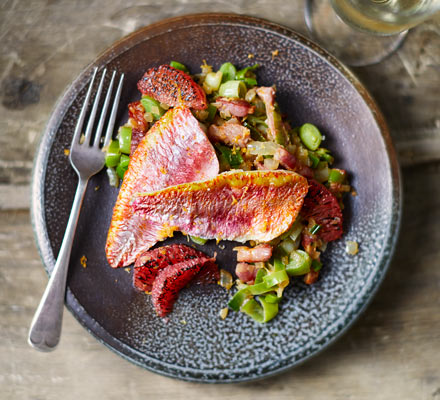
point(363, 32)
point(385, 17)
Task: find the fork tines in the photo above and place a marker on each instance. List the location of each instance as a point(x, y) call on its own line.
point(87, 138)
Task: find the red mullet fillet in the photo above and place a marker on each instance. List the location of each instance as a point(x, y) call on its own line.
point(241, 206)
point(174, 151)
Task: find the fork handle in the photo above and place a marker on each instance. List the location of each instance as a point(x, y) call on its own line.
point(45, 330)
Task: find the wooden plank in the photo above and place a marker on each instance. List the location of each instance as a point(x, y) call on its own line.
point(14, 197)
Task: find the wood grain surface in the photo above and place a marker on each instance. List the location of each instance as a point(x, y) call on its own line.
point(393, 350)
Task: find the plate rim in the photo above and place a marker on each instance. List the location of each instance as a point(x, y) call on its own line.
point(63, 103)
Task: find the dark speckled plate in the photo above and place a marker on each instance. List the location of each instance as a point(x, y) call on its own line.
point(195, 344)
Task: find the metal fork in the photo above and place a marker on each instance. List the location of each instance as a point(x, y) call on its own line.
point(87, 159)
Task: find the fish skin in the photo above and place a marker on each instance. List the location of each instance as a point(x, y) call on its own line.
point(172, 86)
point(174, 151)
point(240, 206)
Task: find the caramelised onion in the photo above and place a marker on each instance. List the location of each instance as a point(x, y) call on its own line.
point(262, 148)
point(321, 174)
point(250, 94)
point(212, 81)
point(226, 280)
point(351, 247)
point(224, 312)
point(271, 163)
point(302, 155)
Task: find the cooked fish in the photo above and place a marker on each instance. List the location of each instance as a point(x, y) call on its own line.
point(175, 150)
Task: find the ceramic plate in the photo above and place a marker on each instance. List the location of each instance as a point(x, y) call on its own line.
point(195, 344)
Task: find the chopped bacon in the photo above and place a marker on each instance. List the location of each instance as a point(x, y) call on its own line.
point(235, 107)
point(232, 132)
point(236, 205)
point(136, 113)
point(311, 277)
point(274, 122)
point(140, 126)
point(262, 252)
point(174, 151)
point(289, 161)
point(286, 159)
point(173, 87)
point(306, 171)
point(310, 243)
point(246, 272)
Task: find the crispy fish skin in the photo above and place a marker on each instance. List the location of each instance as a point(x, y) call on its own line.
point(173, 87)
point(174, 151)
point(241, 206)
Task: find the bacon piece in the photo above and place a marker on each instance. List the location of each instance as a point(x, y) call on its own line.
point(140, 126)
point(304, 170)
point(286, 159)
point(235, 107)
point(241, 206)
point(246, 272)
point(148, 264)
point(311, 277)
point(262, 252)
point(171, 280)
point(175, 151)
point(310, 243)
point(232, 132)
point(274, 122)
point(136, 113)
point(321, 205)
point(289, 161)
point(171, 86)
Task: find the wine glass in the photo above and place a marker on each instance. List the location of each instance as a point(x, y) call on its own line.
point(364, 32)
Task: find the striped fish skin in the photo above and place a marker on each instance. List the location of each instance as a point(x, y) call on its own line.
point(175, 151)
point(236, 205)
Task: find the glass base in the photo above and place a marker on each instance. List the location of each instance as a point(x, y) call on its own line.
point(351, 46)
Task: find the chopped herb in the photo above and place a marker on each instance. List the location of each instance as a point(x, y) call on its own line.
point(315, 229)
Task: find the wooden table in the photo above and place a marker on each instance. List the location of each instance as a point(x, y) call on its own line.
point(392, 352)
